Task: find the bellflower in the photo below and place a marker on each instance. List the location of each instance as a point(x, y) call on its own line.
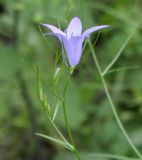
point(72, 38)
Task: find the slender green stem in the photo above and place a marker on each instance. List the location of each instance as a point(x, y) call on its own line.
point(56, 128)
point(61, 135)
point(122, 48)
point(122, 69)
point(67, 123)
point(112, 156)
point(69, 132)
point(118, 54)
point(111, 102)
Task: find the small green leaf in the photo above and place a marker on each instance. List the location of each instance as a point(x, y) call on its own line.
point(68, 146)
point(56, 110)
point(122, 68)
point(112, 156)
point(56, 75)
point(39, 88)
point(46, 105)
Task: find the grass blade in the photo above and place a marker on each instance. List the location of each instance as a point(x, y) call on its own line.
point(56, 110)
point(62, 143)
point(112, 156)
point(121, 49)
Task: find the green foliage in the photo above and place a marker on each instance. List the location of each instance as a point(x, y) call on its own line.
point(90, 118)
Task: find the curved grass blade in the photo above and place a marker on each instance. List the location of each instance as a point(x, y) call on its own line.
point(122, 69)
point(56, 110)
point(62, 143)
point(121, 49)
point(112, 156)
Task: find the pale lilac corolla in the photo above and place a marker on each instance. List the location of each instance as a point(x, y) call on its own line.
point(72, 38)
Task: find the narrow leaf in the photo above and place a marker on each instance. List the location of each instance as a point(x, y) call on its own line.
point(112, 156)
point(56, 110)
point(68, 146)
point(39, 86)
point(120, 51)
point(122, 68)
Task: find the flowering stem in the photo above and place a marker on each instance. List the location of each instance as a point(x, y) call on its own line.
point(111, 102)
point(67, 123)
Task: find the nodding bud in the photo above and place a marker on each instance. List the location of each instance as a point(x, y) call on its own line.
point(56, 74)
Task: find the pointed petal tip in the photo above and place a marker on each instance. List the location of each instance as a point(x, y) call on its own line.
point(94, 29)
point(105, 26)
point(53, 29)
point(74, 28)
point(76, 18)
point(42, 24)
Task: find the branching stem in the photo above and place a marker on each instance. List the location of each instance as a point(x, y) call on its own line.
point(111, 102)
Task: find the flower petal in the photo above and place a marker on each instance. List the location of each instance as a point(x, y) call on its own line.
point(74, 28)
point(93, 29)
point(53, 29)
point(63, 40)
point(59, 36)
point(73, 48)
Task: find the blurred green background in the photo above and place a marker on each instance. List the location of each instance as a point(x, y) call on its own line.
point(22, 47)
